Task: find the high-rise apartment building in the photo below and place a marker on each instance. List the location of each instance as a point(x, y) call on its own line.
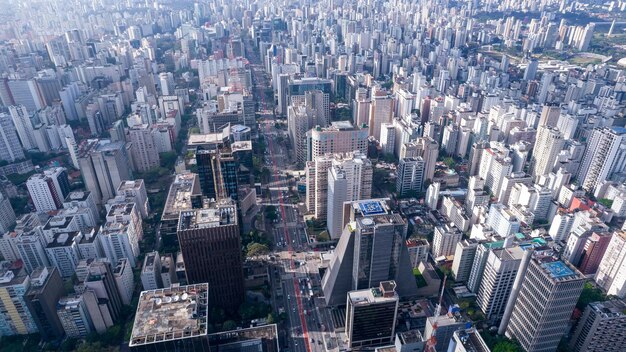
point(548, 145)
point(498, 276)
point(464, 254)
point(63, 252)
point(445, 240)
point(611, 275)
point(185, 193)
point(30, 247)
point(151, 271)
point(120, 239)
point(210, 242)
point(48, 189)
point(101, 281)
point(15, 317)
point(348, 180)
point(23, 126)
point(502, 220)
point(371, 316)
point(103, 165)
point(135, 190)
point(143, 149)
point(604, 156)
point(7, 215)
point(601, 328)
point(339, 137)
point(74, 317)
point(10, 147)
point(540, 313)
point(381, 111)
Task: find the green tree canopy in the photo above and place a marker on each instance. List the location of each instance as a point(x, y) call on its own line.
point(257, 249)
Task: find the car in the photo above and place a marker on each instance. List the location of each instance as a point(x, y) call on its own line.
point(312, 340)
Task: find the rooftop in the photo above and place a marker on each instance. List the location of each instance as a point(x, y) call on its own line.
point(78, 196)
point(171, 314)
point(371, 207)
point(555, 268)
point(121, 209)
point(130, 185)
point(218, 214)
point(62, 239)
point(471, 340)
point(184, 187)
point(609, 309)
point(385, 293)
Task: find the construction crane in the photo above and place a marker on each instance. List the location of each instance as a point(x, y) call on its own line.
point(432, 341)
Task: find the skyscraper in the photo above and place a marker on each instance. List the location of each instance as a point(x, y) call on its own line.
point(611, 275)
point(10, 147)
point(370, 250)
point(445, 240)
point(348, 181)
point(371, 316)
point(48, 189)
point(210, 242)
point(541, 311)
point(498, 277)
point(143, 149)
point(15, 317)
point(23, 126)
point(605, 155)
point(339, 137)
point(41, 299)
point(549, 144)
point(103, 165)
point(410, 175)
point(601, 328)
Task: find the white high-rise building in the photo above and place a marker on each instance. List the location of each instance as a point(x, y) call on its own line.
point(381, 111)
point(445, 240)
point(387, 137)
point(495, 165)
point(339, 137)
point(31, 249)
point(143, 148)
point(502, 220)
point(63, 252)
point(611, 275)
point(348, 181)
point(123, 274)
point(498, 277)
point(151, 272)
point(605, 155)
point(23, 126)
point(48, 189)
point(549, 144)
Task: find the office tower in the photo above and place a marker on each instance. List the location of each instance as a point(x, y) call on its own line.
point(371, 316)
point(136, 190)
point(7, 215)
point(349, 179)
point(23, 126)
point(410, 176)
point(101, 281)
point(211, 246)
point(467, 340)
point(63, 252)
point(495, 165)
point(548, 145)
point(143, 149)
point(355, 163)
point(121, 234)
point(15, 317)
point(48, 189)
point(604, 156)
point(381, 111)
point(151, 272)
point(41, 299)
point(371, 249)
point(125, 280)
point(419, 249)
point(299, 121)
point(502, 220)
point(541, 311)
point(74, 317)
point(339, 137)
point(185, 193)
point(601, 328)
point(31, 249)
point(163, 323)
point(10, 148)
point(611, 275)
point(104, 165)
point(443, 327)
point(464, 254)
point(499, 274)
point(298, 87)
point(445, 240)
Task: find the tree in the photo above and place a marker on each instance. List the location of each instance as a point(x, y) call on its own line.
point(257, 249)
point(590, 294)
point(270, 319)
point(506, 346)
point(194, 130)
point(229, 325)
point(323, 237)
point(168, 160)
point(606, 202)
